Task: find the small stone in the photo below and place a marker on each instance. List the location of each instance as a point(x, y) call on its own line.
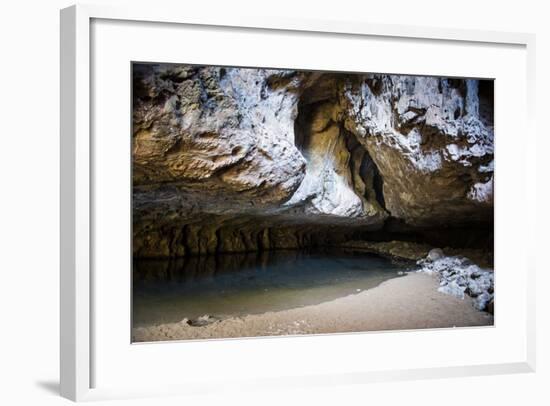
point(461, 280)
point(435, 254)
point(202, 321)
point(480, 302)
point(474, 288)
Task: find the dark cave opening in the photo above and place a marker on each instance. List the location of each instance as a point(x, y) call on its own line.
point(487, 89)
point(486, 100)
point(368, 171)
point(365, 175)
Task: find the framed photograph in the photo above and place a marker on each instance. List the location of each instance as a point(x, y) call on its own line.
point(242, 207)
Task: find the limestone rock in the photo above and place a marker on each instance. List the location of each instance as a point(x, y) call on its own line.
point(235, 159)
point(432, 141)
point(459, 276)
point(214, 130)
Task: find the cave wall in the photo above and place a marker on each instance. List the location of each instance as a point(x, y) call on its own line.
point(237, 160)
point(432, 144)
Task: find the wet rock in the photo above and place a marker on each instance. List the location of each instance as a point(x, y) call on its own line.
point(202, 321)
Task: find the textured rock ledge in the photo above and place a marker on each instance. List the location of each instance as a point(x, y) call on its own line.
point(415, 251)
point(394, 249)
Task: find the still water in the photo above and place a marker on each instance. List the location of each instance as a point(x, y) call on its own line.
point(239, 284)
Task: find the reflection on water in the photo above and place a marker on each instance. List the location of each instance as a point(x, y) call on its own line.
point(239, 284)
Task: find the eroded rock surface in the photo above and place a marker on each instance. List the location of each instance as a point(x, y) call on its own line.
point(214, 131)
point(432, 141)
point(233, 159)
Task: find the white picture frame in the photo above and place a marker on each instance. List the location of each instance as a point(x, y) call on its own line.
point(76, 279)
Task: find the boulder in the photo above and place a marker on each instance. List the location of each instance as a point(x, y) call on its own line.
point(435, 254)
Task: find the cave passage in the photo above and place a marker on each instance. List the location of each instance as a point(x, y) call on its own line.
point(274, 192)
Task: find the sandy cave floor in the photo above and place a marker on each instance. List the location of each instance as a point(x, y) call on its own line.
point(408, 302)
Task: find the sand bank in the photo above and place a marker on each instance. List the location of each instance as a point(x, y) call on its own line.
point(408, 302)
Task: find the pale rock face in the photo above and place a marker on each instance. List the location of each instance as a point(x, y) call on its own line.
point(431, 145)
point(218, 131)
point(327, 188)
point(482, 192)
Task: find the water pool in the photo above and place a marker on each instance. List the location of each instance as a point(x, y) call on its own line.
point(232, 285)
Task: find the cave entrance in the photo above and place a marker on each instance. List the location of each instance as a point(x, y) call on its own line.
point(320, 134)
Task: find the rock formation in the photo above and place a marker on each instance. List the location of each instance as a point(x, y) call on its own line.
point(459, 276)
point(234, 159)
